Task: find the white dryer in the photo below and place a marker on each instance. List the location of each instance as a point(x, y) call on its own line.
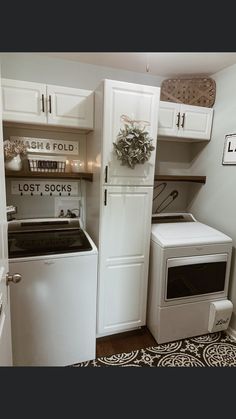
point(188, 276)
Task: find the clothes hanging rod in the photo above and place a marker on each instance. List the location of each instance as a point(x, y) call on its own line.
point(180, 178)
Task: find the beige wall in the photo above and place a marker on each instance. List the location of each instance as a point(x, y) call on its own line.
point(172, 158)
point(215, 202)
point(43, 69)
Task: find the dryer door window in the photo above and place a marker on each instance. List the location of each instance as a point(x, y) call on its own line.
point(193, 276)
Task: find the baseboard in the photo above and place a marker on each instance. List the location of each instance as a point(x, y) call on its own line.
point(231, 332)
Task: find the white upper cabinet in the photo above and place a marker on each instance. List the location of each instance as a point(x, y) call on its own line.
point(70, 107)
point(139, 103)
point(179, 121)
point(47, 104)
point(23, 101)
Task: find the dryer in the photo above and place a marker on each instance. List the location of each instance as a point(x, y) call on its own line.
point(188, 274)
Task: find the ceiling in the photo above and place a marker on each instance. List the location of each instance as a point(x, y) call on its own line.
point(167, 64)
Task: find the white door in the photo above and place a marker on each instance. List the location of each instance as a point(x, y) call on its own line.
point(169, 119)
point(5, 322)
point(123, 258)
point(24, 101)
point(70, 107)
point(195, 122)
point(137, 102)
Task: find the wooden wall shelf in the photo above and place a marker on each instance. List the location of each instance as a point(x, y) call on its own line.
point(50, 175)
point(177, 178)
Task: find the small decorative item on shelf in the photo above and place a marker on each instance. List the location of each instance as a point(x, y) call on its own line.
point(134, 144)
point(14, 150)
point(76, 166)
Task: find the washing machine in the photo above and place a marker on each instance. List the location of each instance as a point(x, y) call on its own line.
point(53, 307)
point(188, 278)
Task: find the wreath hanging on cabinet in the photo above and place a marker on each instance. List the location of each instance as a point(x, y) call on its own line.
point(134, 145)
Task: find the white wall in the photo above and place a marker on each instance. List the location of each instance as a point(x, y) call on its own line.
point(172, 158)
point(215, 202)
point(43, 69)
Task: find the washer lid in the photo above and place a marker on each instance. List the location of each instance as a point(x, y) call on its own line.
point(173, 217)
point(186, 234)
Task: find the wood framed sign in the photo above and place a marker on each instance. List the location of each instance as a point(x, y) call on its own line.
point(44, 188)
point(229, 154)
point(45, 145)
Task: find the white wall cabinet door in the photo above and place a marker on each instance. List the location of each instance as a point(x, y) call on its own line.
point(178, 121)
point(169, 116)
point(70, 107)
point(47, 104)
point(139, 103)
point(123, 258)
point(195, 122)
point(23, 101)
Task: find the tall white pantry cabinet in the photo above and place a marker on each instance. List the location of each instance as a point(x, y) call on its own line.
point(119, 206)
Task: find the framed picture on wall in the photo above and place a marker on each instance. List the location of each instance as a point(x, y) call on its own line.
point(229, 153)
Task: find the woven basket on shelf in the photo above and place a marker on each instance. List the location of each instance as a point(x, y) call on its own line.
point(195, 91)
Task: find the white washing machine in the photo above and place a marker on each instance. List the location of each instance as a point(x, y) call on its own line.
point(188, 278)
point(53, 307)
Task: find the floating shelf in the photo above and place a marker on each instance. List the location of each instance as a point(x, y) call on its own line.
point(50, 175)
point(177, 178)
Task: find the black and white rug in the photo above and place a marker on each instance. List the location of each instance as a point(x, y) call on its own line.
point(212, 350)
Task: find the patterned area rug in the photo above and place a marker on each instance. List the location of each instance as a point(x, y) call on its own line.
point(212, 350)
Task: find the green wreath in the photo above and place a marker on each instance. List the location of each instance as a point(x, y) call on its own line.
point(134, 145)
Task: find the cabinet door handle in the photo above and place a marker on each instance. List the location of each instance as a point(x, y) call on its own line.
point(50, 104)
point(106, 173)
point(105, 197)
point(43, 107)
point(183, 120)
point(178, 119)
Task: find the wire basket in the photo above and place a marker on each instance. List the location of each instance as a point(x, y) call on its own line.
point(42, 164)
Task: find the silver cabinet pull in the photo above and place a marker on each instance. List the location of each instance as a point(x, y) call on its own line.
point(178, 119)
point(15, 278)
point(183, 120)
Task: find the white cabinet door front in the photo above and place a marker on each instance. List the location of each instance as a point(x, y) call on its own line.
point(196, 122)
point(168, 120)
point(177, 121)
point(123, 259)
point(137, 102)
point(23, 101)
point(5, 318)
point(70, 107)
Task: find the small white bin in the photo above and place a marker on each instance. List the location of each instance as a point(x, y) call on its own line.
point(219, 315)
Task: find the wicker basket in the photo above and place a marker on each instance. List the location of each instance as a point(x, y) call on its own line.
point(195, 91)
point(46, 164)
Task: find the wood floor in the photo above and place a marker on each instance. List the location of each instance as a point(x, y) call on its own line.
point(124, 342)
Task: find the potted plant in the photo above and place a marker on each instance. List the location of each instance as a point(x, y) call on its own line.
point(14, 150)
